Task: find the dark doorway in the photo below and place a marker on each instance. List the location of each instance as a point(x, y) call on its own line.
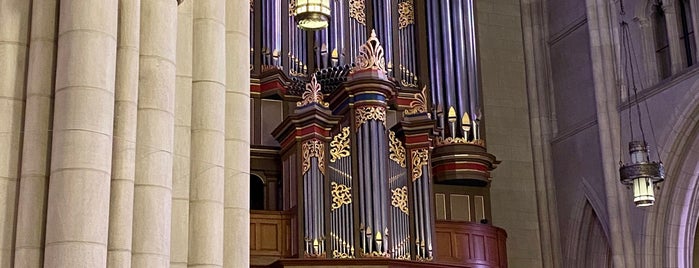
point(257, 193)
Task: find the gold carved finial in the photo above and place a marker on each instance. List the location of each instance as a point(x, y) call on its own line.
point(371, 55)
point(312, 94)
point(419, 105)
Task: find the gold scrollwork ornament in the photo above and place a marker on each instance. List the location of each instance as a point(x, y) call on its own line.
point(341, 195)
point(396, 149)
point(419, 160)
point(366, 113)
point(339, 146)
point(357, 11)
point(313, 148)
point(406, 16)
point(399, 199)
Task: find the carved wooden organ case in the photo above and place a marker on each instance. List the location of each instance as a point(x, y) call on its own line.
point(364, 135)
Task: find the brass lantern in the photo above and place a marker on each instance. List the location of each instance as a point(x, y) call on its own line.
point(312, 15)
point(641, 174)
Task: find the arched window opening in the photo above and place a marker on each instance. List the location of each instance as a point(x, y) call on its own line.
point(687, 31)
point(257, 193)
point(662, 44)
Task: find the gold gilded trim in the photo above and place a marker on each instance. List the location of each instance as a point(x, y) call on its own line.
point(406, 16)
point(312, 94)
point(420, 157)
point(357, 11)
point(371, 55)
point(313, 148)
point(439, 141)
point(339, 146)
point(341, 195)
point(366, 113)
point(396, 149)
point(419, 105)
point(399, 199)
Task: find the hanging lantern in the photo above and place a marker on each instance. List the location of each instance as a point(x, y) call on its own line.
point(641, 174)
point(312, 15)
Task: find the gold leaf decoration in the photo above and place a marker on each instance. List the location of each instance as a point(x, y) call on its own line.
point(371, 55)
point(399, 199)
point(396, 149)
point(339, 146)
point(357, 11)
point(419, 159)
point(312, 94)
point(366, 113)
point(341, 195)
point(419, 105)
point(313, 148)
point(292, 8)
point(439, 141)
point(406, 16)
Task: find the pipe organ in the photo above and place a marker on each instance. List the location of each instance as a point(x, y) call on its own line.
point(369, 115)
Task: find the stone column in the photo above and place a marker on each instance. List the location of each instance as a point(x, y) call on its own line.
point(155, 135)
point(601, 50)
point(14, 31)
point(124, 145)
point(208, 140)
point(237, 203)
point(81, 156)
point(183, 122)
point(29, 241)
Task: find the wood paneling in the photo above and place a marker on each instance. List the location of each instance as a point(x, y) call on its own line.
point(270, 233)
point(471, 244)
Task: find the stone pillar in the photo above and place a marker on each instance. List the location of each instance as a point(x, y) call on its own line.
point(208, 139)
point(14, 30)
point(237, 185)
point(29, 241)
point(155, 135)
point(81, 157)
point(124, 145)
point(183, 121)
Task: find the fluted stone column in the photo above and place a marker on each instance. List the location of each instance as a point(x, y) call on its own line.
point(208, 117)
point(155, 135)
point(183, 121)
point(124, 145)
point(237, 202)
point(14, 30)
point(30, 229)
point(81, 156)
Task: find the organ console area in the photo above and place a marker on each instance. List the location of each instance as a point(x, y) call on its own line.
point(369, 146)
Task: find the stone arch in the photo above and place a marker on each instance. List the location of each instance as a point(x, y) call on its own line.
point(258, 195)
point(670, 224)
point(590, 209)
point(590, 246)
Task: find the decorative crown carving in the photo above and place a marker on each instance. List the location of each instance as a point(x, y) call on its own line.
point(371, 55)
point(419, 105)
point(312, 94)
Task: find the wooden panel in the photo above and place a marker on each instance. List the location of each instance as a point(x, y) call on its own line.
point(470, 244)
point(269, 234)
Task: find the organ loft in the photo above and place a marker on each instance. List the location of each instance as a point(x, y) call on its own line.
point(368, 143)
